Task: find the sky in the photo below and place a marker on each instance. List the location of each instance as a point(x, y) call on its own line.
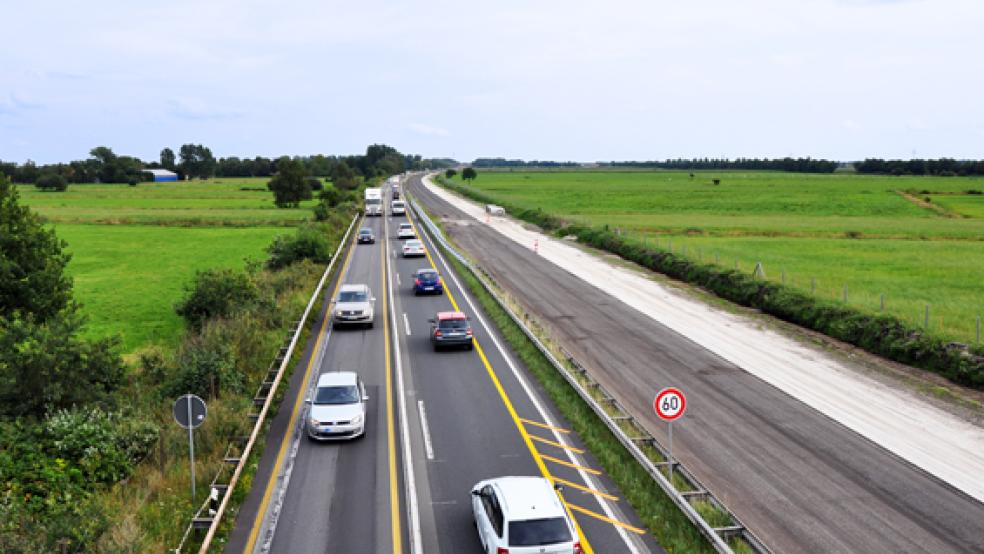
point(530, 79)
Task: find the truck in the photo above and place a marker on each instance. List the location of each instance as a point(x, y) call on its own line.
point(374, 201)
point(396, 191)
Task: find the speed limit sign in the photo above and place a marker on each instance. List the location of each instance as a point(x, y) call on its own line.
point(670, 404)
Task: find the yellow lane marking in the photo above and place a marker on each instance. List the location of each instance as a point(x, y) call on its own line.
point(585, 489)
point(606, 519)
point(557, 444)
point(390, 425)
point(585, 545)
point(544, 425)
point(257, 523)
point(569, 464)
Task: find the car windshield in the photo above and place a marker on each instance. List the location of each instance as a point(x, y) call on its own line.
point(404, 226)
point(373, 201)
point(413, 243)
point(427, 275)
point(365, 232)
point(353, 296)
point(536, 532)
point(337, 395)
point(454, 324)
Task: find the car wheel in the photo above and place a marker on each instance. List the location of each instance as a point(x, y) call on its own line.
point(370, 325)
point(470, 346)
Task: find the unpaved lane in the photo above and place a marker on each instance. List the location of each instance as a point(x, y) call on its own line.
point(802, 481)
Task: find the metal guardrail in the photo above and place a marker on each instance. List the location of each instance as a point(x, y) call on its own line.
point(615, 417)
point(209, 514)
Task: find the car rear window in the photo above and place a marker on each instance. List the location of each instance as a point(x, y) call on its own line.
point(404, 226)
point(454, 324)
point(337, 395)
point(427, 275)
point(536, 532)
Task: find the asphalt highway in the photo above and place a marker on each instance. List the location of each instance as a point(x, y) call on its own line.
point(437, 423)
point(800, 481)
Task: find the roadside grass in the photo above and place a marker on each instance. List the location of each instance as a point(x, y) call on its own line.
point(910, 274)
point(841, 229)
point(659, 514)
point(128, 277)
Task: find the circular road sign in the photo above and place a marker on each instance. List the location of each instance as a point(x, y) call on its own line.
point(198, 411)
point(670, 404)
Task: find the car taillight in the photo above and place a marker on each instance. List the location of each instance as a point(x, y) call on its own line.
point(577, 548)
point(437, 333)
point(501, 550)
point(468, 331)
point(416, 282)
point(439, 281)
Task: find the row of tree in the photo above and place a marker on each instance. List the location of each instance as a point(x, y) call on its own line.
point(946, 167)
point(503, 162)
point(197, 161)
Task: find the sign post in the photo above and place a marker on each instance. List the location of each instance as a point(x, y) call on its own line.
point(670, 403)
point(190, 411)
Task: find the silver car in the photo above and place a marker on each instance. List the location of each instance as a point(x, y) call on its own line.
point(338, 408)
point(355, 305)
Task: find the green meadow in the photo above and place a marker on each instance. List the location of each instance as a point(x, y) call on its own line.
point(820, 233)
point(134, 248)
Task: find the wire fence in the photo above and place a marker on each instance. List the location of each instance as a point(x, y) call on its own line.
point(934, 319)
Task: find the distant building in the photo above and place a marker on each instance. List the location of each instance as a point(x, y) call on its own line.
point(162, 175)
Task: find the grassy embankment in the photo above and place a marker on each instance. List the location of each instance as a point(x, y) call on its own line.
point(134, 248)
point(837, 231)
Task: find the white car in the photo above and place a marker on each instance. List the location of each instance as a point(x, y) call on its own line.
point(413, 248)
point(355, 305)
point(405, 231)
point(522, 515)
point(338, 408)
point(398, 207)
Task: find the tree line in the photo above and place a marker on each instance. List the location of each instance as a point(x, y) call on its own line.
point(197, 161)
point(503, 162)
point(944, 167)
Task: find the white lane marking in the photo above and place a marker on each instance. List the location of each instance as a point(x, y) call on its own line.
point(630, 542)
point(398, 282)
point(428, 445)
point(406, 323)
point(416, 542)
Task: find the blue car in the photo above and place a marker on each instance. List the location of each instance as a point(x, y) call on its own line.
point(427, 281)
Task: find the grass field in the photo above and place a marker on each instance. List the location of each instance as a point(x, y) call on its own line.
point(838, 230)
point(229, 202)
point(134, 248)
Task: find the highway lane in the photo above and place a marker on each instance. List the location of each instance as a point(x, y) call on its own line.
point(473, 436)
point(338, 496)
point(802, 482)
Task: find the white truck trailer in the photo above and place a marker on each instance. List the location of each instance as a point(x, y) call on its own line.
point(374, 201)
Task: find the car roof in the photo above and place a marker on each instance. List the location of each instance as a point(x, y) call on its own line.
point(404, 225)
point(354, 288)
point(426, 270)
point(414, 242)
point(441, 316)
point(528, 498)
point(365, 230)
point(338, 378)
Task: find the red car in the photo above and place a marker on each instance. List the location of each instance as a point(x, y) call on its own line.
point(451, 329)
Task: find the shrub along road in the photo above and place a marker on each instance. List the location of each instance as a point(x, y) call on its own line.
point(801, 481)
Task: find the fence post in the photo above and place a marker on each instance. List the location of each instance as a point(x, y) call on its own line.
point(926, 319)
point(759, 271)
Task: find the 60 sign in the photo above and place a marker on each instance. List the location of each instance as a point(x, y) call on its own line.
point(670, 404)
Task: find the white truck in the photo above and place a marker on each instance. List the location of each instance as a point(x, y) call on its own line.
point(374, 201)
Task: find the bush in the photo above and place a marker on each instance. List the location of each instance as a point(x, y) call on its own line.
point(217, 293)
point(205, 368)
point(450, 173)
point(316, 184)
point(52, 182)
point(308, 243)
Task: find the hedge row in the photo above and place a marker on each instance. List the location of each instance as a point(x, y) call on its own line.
point(883, 335)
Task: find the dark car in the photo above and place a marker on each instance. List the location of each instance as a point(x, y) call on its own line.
point(427, 281)
point(365, 235)
point(451, 329)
